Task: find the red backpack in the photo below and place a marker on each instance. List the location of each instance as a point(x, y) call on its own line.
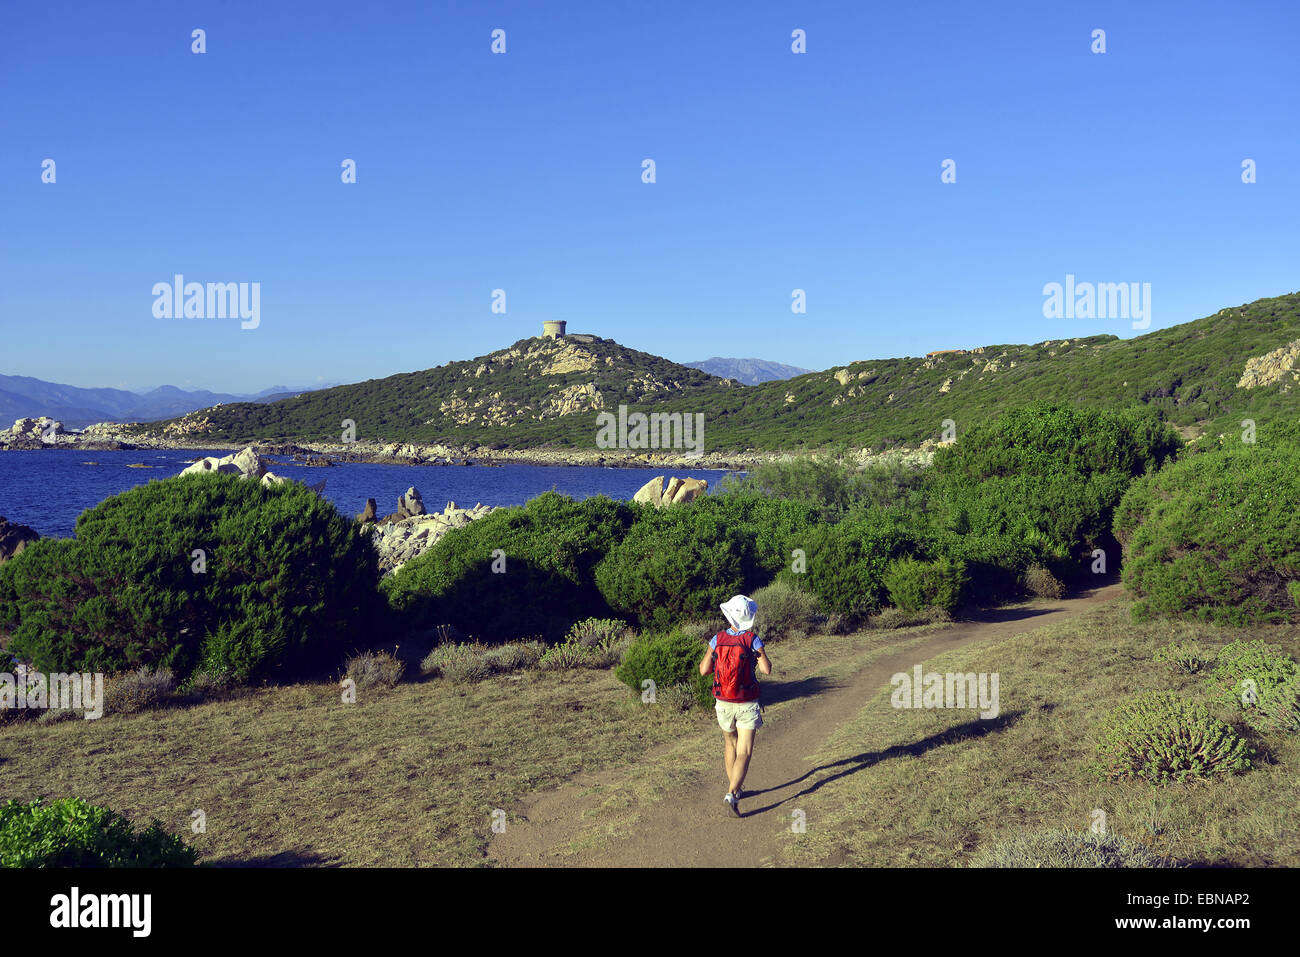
point(733, 669)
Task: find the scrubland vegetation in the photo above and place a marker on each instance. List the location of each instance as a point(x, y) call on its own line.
point(203, 588)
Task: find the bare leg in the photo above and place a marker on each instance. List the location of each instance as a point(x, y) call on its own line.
point(740, 764)
point(729, 751)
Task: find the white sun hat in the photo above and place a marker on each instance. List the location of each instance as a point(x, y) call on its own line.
point(740, 611)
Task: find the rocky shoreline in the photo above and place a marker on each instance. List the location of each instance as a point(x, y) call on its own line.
point(45, 433)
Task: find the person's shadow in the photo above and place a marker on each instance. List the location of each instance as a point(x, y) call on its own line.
point(859, 762)
point(774, 692)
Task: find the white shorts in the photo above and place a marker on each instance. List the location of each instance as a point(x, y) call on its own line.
point(738, 714)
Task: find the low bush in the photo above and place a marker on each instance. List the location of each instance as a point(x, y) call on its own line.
point(1260, 681)
point(1064, 848)
point(598, 632)
point(914, 585)
point(204, 685)
point(566, 655)
point(889, 618)
point(139, 690)
point(514, 656)
point(1038, 581)
point(785, 611)
point(1186, 657)
point(461, 662)
point(1161, 737)
point(666, 659)
point(458, 663)
point(72, 833)
point(375, 669)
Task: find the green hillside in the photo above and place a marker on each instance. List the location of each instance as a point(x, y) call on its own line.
point(544, 392)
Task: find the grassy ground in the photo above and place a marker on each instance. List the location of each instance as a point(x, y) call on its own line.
point(406, 776)
point(931, 788)
point(292, 775)
point(411, 775)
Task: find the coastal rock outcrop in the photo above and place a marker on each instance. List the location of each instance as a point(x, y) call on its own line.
point(399, 540)
point(245, 463)
point(410, 505)
point(29, 433)
point(14, 538)
point(679, 490)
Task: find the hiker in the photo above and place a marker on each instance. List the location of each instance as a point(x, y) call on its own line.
point(731, 658)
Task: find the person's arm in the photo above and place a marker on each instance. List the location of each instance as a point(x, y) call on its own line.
point(764, 665)
point(706, 663)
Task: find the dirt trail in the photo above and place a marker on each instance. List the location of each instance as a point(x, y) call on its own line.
point(692, 829)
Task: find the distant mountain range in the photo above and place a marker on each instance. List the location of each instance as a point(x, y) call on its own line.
point(747, 371)
point(23, 396)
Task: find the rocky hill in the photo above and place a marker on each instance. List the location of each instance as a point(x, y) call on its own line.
point(545, 393)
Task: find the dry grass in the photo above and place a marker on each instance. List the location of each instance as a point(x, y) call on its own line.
point(935, 787)
point(292, 775)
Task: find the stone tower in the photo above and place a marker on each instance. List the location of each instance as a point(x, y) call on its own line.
point(553, 329)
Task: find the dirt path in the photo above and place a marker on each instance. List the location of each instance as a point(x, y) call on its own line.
point(692, 829)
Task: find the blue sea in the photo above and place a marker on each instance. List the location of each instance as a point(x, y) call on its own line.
point(48, 488)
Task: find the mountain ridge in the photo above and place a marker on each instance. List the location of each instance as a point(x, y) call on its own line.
point(541, 393)
point(747, 371)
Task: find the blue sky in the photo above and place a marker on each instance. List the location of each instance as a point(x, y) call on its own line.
point(523, 172)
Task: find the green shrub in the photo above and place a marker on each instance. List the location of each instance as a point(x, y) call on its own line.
point(550, 546)
point(1184, 656)
point(666, 659)
point(1293, 589)
point(141, 690)
point(828, 489)
point(1262, 681)
point(677, 562)
point(785, 611)
point(72, 833)
point(1045, 439)
point(1064, 848)
point(845, 563)
point(1161, 737)
point(287, 583)
point(375, 669)
point(914, 585)
point(1215, 536)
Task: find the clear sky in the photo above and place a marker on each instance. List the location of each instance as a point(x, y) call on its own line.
point(522, 171)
